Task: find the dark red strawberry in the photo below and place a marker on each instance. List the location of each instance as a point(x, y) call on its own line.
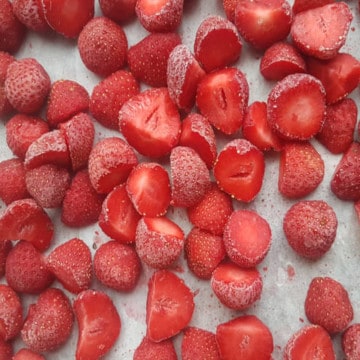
point(5, 247)
point(120, 11)
point(5, 60)
point(350, 341)
point(7, 351)
point(31, 14)
point(27, 354)
point(148, 350)
point(302, 5)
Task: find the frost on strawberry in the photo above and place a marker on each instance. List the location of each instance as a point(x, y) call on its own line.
point(350, 341)
point(31, 14)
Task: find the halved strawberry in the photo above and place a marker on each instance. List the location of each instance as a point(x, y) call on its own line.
point(31, 14)
point(350, 341)
point(148, 350)
point(120, 11)
point(302, 5)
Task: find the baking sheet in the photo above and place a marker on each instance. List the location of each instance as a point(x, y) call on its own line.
point(286, 276)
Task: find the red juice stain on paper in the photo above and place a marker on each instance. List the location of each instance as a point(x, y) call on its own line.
point(290, 271)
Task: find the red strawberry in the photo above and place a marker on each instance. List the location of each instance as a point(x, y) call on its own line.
point(110, 94)
point(68, 17)
point(296, 107)
point(321, 31)
point(239, 169)
point(25, 269)
point(301, 169)
point(229, 9)
point(249, 331)
point(120, 11)
point(327, 304)
point(5, 60)
point(310, 228)
point(350, 341)
point(148, 350)
point(99, 324)
point(169, 306)
point(27, 354)
point(302, 5)
point(71, 264)
point(217, 43)
point(263, 22)
point(103, 46)
point(31, 14)
point(117, 266)
point(158, 241)
point(49, 321)
point(148, 58)
point(5, 247)
point(150, 122)
point(6, 351)
point(222, 97)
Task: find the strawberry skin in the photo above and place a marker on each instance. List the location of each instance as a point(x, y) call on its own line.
point(31, 14)
point(148, 350)
point(120, 11)
point(350, 341)
point(27, 354)
point(5, 60)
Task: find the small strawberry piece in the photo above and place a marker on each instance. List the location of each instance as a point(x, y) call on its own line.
point(169, 307)
point(26, 220)
point(222, 97)
point(148, 187)
point(27, 354)
point(350, 341)
point(203, 252)
point(120, 11)
point(99, 324)
point(5, 60)
point(321, 31)
point(345, 182)
point(150, 122)
point(68, 17)
point(6, 351)
point(5, 247)
point(103, 46)
point(217, 43)
point(302, 5)
point(327, 304)
point(301, 169)
point(11, 313)
point(117, 266)
point(148, 350)
point(158, 241)
point(254, 336)
point(159, 16)
point(189, 175)
point(148, 58)
point(310, 228)
point(49, 321)
point(263, 22)
point(296, 107)
point(25, 269)
point(311, 342)
point(71, 263)
point(239, 169)
point(110, 94)
point(110, 163)
point(31, 14)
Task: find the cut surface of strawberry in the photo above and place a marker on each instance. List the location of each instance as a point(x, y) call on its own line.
point(302, 5)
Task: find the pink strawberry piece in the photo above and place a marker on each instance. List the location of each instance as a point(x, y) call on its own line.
point(148, 350)
point(27, 354)
point(5, 247)
point(350, 341)
point(120, 11)
point(31, 14)
point(150, 122)
point(158, 241)
point(321, 31)
point(296, 107)
point(222, 97)
point(7, 351)
point(103, 46)
point(5, 60)
point(239, 170)
point(302, 5)
point(148, 58)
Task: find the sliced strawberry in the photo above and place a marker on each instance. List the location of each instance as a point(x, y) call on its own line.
point(150, 122)
point(169, 306)
point(148, 350)
point(222, 97)
point(322, 31)
point(302, 5)
point(27, 354)
point(296, 107)
point(99, 324)
point(5, 60)
point(120, 11)
point(31, 14)
point(239, 169)
point(350, 341)
point(5, 247)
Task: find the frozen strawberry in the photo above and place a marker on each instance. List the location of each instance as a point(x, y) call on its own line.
point(203, 252)
point(148, 187)
point(120, 11)
point(345, 181)
point(110, 163)
point(301, 169)
point(150, 122)
point(249, 331)
point(31, 14)
point(322, 31)
point(99, 324)
point(229, 9)
point(27, 354)
point(310, 228)
point(162, 16)
point(263, 22)
point(71, 263)
point(169, 307)
point(296, 107)
point(158, 241)
point(327, 304)
point(82, 204)
point(110, 94)
point(222, 97)
point(148, 350)
point(68, 17)
point(49, 321)
point(5, 60)
point(302, 5)
point(103, 46)
point(26, 220)
point(217, 43)
point(183, 76)
point(239, 169)
point(350, 341)
point(147, 59)
point(310, 341)
point(117, 266)
point(5, 247)
point(22, 130)
point(6, 350)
